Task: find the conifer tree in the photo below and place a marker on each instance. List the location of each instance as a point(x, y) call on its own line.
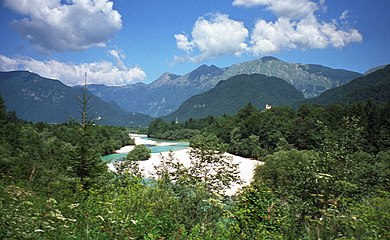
point(2, 109)
point(89, 165)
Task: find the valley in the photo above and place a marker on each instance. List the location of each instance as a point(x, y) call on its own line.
point(172, 96)
point(219, 158)
point(194, 120)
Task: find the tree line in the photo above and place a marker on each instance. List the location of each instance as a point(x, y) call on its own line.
point(325, 176)
point(256, 133)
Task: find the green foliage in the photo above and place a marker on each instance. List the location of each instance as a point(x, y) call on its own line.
point(139, 153)
point(3, 110)
point(209, 164)
point(171, 131)
point(326, 176)
point(259, 214)
point(294, 177)
point(253, 133)
point(322, 186)
point(368, 219)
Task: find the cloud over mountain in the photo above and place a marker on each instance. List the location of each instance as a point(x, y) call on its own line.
point(214, 36)
point(75, 25)
point(102, 72)
point(298, 26)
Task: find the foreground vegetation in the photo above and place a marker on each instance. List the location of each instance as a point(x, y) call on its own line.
point(326, 176)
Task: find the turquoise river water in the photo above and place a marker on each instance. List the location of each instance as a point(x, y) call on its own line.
point(157, 147)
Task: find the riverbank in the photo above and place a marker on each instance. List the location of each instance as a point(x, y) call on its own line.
point(141, 139)
point(245, 166)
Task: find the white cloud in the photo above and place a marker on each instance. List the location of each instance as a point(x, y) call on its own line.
point(297, 27)
point(183, 43)
point(306, 33)
point(102, 72)
point(213, 37)
point(118, 55)
point(282, 8)
point(344, 15)
point(77, 25)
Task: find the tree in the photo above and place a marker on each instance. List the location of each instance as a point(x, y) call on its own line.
point(2, 109)
point(210, 166)
point(139, 153)
point(130, 165)
point(259, 214)
point(88, 165)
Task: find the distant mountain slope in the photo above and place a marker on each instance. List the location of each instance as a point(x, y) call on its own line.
point(37, 99)
point(162, 96)
point(169, 91)
point(231, 95)
point(309, 79)
point(375, 86)
point(375, 69)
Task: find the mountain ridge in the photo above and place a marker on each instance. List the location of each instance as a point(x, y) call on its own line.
point(169, 91)
point(38, 99)
point(230, 95)
point(375, 86)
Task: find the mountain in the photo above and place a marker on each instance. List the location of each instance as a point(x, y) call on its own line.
point(162, 96)
point(39, 99)
point(169, 91)
point(375, 86)
point(229, 96)
point(309, 79)
point(376, 69)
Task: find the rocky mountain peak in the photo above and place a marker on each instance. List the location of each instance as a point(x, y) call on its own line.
point(204, 70)
point(268, 59)
point(165, 79)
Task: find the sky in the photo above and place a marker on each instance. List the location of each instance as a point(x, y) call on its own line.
point(120, 42)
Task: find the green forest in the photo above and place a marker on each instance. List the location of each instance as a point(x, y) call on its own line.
point(325, 175)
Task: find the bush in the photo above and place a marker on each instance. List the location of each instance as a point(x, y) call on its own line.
point(140, 152)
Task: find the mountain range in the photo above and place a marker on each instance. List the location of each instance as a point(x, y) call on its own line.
point(374, 86)
point(39, 99)
point(168, 92)
point(200, 93)
point(230, 95)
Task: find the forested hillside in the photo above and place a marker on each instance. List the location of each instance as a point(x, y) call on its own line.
point(230, 95)
point(375, 86)
point(38, 99)
point(326, 176)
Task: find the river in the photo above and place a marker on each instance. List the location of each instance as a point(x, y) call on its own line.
point(245, 166)
point(155, 145)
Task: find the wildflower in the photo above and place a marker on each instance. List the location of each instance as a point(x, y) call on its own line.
point(51, 200)
point(134, 221)
point(58, 214)
point(73, 205)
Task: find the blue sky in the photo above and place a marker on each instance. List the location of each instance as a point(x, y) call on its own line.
point(120, 41)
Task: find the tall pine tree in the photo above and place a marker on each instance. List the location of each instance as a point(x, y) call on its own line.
point(88, 165)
